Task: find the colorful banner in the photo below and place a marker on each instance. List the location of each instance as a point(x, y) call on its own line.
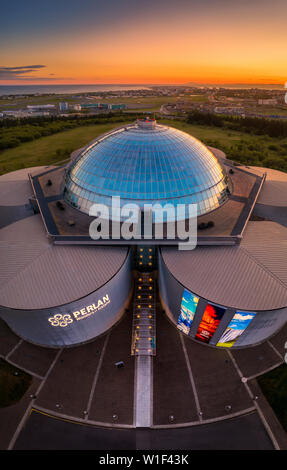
point(209, 323)
point(187, 310)
point(238, 324)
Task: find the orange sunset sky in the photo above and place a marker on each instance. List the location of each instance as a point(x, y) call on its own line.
point(147, 42)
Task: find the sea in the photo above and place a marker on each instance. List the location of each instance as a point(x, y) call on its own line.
point(78, 89)
point(64, 89)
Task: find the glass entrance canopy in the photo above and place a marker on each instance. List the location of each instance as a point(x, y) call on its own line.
point(146, 163)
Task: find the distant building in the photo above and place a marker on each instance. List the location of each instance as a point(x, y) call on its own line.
point(117, 106)
point(229, 110)
point(103, 106)
point(15, 114)
point(89, 105)
point(63, 107)
point(268, 101)
point(40, 107)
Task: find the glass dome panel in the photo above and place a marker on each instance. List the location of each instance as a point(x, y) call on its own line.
point(147, 163)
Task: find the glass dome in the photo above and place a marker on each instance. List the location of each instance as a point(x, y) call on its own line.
point(146, 163)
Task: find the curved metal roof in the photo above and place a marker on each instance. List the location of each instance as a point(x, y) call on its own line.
point(251, 276)
point(274, 190)
point(15, 188)
point(146, 163)
point(34, 274)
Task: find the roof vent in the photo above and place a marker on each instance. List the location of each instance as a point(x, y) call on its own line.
point(146, 123)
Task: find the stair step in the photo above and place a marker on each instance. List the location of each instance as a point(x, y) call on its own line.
point(144, 311)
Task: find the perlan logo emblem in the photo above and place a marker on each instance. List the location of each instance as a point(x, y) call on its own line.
point(61, 320)
point(66, 319)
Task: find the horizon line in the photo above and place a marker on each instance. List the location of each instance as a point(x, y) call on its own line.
point(190, 84)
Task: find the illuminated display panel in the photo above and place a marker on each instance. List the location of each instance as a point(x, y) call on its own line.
point(238, 324)
point(209, 323)
point(188, 307)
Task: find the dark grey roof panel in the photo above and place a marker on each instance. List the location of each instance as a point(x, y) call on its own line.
point(251, 276)
point(35, 274)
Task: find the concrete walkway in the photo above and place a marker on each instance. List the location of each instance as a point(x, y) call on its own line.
point(143, 392)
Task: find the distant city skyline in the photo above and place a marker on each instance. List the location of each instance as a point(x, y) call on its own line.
point(129, 42)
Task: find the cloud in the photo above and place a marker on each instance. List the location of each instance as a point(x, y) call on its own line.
point(243, 317)
point(19, 72)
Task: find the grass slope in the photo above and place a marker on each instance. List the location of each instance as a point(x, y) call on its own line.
point(249, 149)
point(51, 149)
point(242, 147)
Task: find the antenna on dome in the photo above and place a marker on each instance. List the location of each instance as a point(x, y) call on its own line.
point(146, 123)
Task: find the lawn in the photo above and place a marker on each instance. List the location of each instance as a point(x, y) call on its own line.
point(250, 149)
point(246, 148)
point(223, 137)
point(13, 384)
point(274, 387)
point(51, 149)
